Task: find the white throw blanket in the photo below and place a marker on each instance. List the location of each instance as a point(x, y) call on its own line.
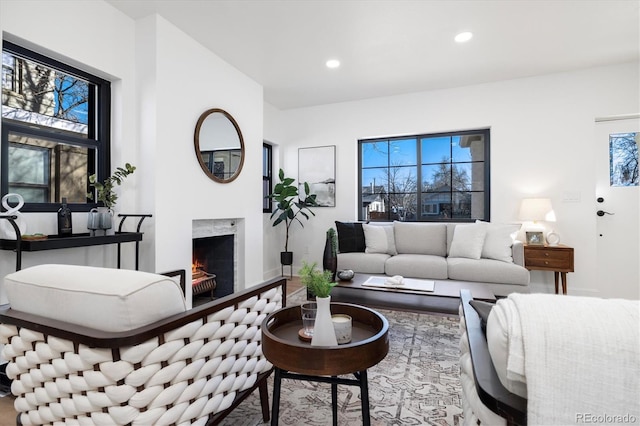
point(580, 357)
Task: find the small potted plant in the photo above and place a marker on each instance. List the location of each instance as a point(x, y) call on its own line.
point(100, 218)
point(320, 283)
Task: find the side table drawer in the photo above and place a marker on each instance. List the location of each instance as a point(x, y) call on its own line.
point(548, 263)
point(549, 258)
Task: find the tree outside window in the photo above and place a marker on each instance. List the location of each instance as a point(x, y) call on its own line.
point(55, 129)
point(425, 177)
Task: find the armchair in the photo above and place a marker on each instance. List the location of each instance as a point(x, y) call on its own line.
point(106, 346)
point(549, 359)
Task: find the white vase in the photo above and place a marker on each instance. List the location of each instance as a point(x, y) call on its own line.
point(323, 331)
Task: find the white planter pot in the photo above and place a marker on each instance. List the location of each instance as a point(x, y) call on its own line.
point(323, 331)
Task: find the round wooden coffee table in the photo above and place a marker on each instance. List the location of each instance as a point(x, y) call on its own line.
point(295, 359)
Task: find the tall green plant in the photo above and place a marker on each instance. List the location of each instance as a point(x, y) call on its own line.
point(105, 191)
point(289, 206)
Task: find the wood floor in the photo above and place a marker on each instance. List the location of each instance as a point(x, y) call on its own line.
point(8, 413)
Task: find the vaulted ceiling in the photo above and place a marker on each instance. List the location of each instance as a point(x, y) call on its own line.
point(389, 47)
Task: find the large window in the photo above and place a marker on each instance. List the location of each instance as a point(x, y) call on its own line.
point(433, 177)
point(267, 177)
point(55, 130)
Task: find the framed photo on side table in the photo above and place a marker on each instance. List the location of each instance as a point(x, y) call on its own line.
point(535, 238)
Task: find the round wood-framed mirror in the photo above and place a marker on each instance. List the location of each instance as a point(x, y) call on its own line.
point(219, 145)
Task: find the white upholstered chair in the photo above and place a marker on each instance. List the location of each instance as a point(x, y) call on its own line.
point(92, 345)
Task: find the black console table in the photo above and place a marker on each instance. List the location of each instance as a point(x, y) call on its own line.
point(53, 242)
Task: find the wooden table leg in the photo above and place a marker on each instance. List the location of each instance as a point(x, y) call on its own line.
point(334, 402)
point(555, 279)
point(564, 282)
point(275, 410)
point(264, 399)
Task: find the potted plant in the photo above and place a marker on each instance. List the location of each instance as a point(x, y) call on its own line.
point(288, 209)
point(100, 218)
point(330, 256)
point(320, 283)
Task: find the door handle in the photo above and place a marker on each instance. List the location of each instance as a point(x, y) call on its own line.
point(602, 213)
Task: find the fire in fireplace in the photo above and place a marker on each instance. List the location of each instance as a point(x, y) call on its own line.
point(214, 256)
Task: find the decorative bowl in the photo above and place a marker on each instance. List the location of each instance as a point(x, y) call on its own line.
point(345, 275)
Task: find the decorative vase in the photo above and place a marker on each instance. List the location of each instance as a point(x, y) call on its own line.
point(100, 218)
point(323, 332)
point(329, 261)
point(106, 218)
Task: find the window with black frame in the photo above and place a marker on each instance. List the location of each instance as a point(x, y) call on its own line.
point(267, 177)
point(55, 130)
point(431, 177)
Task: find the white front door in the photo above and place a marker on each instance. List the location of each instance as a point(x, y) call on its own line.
point(618, 231)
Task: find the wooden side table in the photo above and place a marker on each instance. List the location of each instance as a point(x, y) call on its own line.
point(558, 259)
point(294, 359)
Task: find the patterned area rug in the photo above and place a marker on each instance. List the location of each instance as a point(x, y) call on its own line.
point(418, 383)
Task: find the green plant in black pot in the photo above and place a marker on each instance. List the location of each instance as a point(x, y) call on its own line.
point(289, 206)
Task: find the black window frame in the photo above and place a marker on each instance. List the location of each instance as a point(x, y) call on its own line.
point(267, 177)
point(98, 137)
point(419, 191)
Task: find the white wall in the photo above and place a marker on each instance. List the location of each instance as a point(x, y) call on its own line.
point(542, 138)
point(184, 80)
point(104, 47)
point(541, 144)
point(162, 81)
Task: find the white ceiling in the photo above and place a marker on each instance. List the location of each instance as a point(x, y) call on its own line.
point(390, 47)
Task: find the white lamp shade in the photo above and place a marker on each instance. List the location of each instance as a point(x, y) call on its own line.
point(534, 209)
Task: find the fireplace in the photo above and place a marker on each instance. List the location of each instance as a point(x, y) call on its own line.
point(216, 250)
point(214, 255)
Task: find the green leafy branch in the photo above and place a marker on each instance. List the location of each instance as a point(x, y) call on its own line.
point(105, 190)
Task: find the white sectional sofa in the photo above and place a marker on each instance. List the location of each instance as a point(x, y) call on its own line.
point(481, 252)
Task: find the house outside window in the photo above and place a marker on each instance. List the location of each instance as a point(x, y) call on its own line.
point(55, 130)
point(431, 177)
point(267, 177)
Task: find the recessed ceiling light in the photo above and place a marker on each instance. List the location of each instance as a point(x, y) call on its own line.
point(463, 37)
point(333, 63)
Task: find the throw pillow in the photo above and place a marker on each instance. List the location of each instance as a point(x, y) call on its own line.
point(498, 241)
point(379, 239)
point(483, 309)
point(350, 237)
point(468, 241)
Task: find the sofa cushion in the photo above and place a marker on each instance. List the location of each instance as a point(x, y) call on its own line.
point(421, 238)
point(365, 263)
point(417, 266)
point(486, 270)
point(101, 298)
point(499, 241)
point(468, 241)
point(350, 237)
point(379, 239)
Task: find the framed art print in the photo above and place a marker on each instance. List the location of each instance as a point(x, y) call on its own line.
point(317, 167)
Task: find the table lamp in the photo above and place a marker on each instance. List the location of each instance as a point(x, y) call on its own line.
point(539, 209)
